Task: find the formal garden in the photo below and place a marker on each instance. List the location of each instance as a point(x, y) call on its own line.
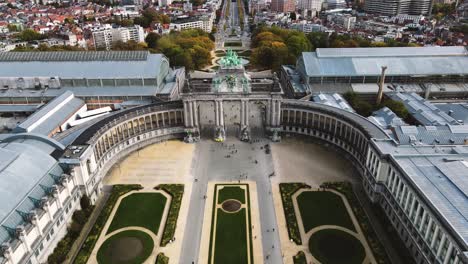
point(323, 207)
point(132, 231)
point(230, 239)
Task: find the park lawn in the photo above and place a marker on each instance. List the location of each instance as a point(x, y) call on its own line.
point(231, 192)
point(231, 238)
point(139, 209)
point(333, 246)
point(323, 208)
point(146, 240)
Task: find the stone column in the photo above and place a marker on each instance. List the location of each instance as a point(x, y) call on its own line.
point(441, 245)
point(242, 112)
point(428, 229)
point(268, 113)
point(408, 196)
point(278, 113)
point(216, 113)
point(448, 253)
point(423, 220)
point(272, 113)
point(185, 114)
point(436, 233)
point(221, 113)
point(412, 208)
point(195, 113)
point(246, 111)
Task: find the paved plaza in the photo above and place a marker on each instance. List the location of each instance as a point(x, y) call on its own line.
point(205, 163)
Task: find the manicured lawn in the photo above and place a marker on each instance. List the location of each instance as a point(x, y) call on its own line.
point(231, 238)
point(323, 208)
point(114, 249)
point(333, 246)
point(139, 209)
point(231, 192)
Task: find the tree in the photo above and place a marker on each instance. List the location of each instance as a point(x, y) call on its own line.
point(297, 44)
point(152, 40)
point(80, 217)
point(397, 107)
point(12, 28)
point(85, 203)
point(30, 35)
point(293, 16)
point(318, 40)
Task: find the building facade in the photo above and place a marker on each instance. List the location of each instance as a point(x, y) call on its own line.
point(397, 7)
point(105, 37)
point(282, 6)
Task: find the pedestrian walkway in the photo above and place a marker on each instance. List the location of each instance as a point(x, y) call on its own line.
point(378, 228)
point(100, 203)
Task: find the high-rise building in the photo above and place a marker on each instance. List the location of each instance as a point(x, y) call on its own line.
point(106, 36)
point(282, 6)
point(395, 7)
point(310, 5)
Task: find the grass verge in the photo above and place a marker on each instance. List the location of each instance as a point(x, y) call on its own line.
point(176, 191)
point(287, 190)
point(88, 245)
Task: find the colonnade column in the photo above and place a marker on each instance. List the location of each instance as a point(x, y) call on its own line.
point(246, 113)
point(221, 113)
point(448, 254)
point(268, 113)
point(278, 113)
point(194, 113)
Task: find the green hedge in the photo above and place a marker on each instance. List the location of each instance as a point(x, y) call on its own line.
point(176, 191)
point(300, 258)
point(287, 190)
point(79, 219)
point(162, 259)
point(376, 246)
point(87, 248)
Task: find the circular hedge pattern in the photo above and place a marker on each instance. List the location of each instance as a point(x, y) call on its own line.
point(334, 246)
point(127, 247)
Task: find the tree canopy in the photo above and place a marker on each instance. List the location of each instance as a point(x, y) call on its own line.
point(275, 46)
point(150, 15)
point(188, 48)
point(30, 35)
